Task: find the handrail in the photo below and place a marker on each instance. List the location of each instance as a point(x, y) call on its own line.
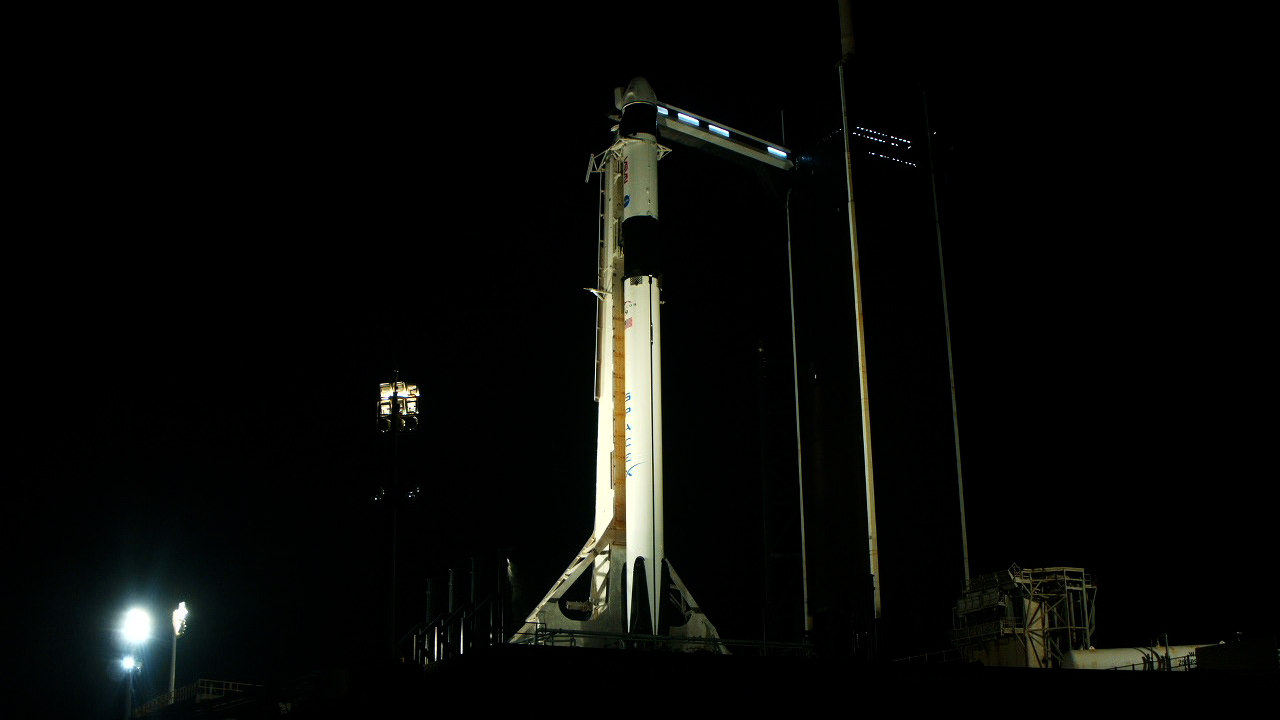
point(201, 690)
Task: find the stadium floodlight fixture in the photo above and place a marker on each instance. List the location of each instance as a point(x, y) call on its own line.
point(397, 406)
point(180, 619)
point(137, 626)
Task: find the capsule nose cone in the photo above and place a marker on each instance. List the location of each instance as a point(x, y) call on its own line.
point(638, 91)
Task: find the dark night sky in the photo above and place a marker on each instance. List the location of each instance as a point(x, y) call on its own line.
point(235, 234)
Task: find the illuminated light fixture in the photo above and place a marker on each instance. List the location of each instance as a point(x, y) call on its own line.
point(180, 619)
point(128, 663)
point(397, 406)
point(662, 111)
point(776, 152)
point(137, 626)
point(887, 135)
point(718, 130)
point(687, 119)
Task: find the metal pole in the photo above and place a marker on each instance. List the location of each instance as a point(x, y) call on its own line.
point(946, 323)
point(873, 542)
point(795, 378)
point(173, 667)
point(394, 496)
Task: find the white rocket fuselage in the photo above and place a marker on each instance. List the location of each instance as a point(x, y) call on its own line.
point(642, 399)
point(626, 554)
point(643, 445)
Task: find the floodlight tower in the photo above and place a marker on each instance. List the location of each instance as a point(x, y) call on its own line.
point(397, 413)
point(135, 630)
point(179, 627)
point(131, 666)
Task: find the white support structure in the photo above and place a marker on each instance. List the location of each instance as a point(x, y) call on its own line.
point(683, 127)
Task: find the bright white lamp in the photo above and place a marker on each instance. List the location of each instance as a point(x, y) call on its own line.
point(137, 626)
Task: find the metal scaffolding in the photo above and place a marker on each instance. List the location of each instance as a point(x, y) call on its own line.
point(1025, 618)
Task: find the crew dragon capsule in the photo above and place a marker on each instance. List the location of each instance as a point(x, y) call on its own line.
point(622, 571)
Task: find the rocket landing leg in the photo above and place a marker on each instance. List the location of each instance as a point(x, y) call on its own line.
point(595, 621)
point(686, 619)
point(600, 620)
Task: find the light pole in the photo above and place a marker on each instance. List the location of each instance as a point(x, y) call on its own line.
point(135, 630)
point(179, 625)
point(130, 666)
point(397, 413)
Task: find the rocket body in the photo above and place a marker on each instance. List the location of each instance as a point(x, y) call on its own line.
point(626, 554)
point(642, 401)
point(643, 449)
